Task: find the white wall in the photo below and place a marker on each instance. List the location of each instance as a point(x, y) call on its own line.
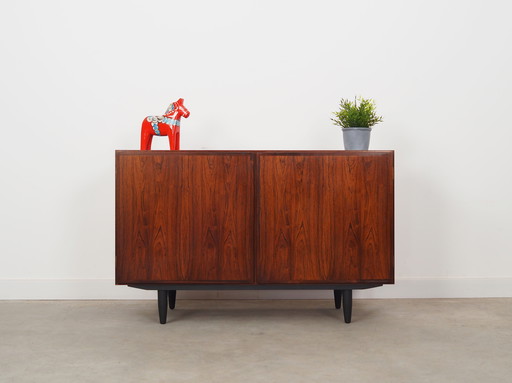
point(77, 78)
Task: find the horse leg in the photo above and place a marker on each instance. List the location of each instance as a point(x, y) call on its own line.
point(175, 144)
point(149, 140)
point(146, 137)
point(170, 136)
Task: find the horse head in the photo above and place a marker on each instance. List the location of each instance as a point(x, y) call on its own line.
point(178, 109)
point(184, 111)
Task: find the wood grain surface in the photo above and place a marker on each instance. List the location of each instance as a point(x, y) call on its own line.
point(189, 217)
point(325, 218)
point(184, 217)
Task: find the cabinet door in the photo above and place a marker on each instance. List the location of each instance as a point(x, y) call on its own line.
point(184, 217)
point(325, 218)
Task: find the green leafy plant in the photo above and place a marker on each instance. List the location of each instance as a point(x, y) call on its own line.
point(352, 114)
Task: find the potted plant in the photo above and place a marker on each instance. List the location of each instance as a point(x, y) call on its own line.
point(356, 119)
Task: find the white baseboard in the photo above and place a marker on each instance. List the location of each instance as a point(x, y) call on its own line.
point(41, 289)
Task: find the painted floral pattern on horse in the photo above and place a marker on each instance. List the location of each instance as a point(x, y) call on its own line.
point(165, 125)
point(156, 120)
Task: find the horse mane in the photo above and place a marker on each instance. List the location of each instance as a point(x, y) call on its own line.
point(170, 108)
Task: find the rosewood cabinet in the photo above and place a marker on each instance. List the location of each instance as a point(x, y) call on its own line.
point(254, 220)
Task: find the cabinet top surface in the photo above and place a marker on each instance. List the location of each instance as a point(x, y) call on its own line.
point(265, 152)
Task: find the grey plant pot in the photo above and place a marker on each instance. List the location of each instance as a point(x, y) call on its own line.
point(356, 138)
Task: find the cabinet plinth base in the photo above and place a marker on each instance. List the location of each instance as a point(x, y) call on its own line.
point(167, 293)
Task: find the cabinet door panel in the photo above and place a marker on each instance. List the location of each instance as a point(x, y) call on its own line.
point(184, 218)
point(325, 218)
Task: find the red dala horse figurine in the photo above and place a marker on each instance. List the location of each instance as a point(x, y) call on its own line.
point(166, 125)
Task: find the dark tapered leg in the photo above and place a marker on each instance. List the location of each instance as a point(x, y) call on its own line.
point(347, 305)
point(172, 299)
point(162, 306)
point(337, 298)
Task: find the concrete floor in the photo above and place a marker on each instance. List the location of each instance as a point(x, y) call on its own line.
point(428, 340)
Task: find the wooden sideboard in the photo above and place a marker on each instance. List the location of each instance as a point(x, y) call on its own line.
point(190, 220)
